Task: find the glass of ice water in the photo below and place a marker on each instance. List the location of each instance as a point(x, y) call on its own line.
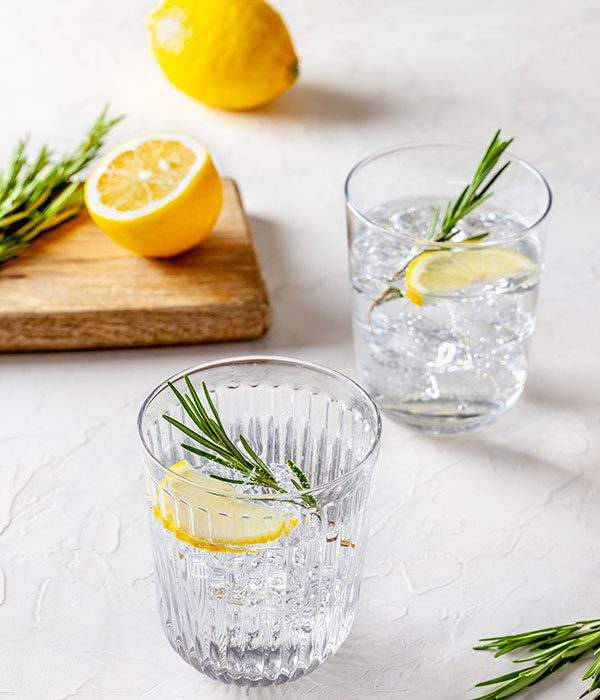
point(262, 587)
point(453, 357)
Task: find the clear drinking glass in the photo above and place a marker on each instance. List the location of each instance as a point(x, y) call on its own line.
point(458, 360)
point(263, 613)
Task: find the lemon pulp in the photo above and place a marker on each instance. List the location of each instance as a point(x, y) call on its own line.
point(146, 174)
point(444, 271)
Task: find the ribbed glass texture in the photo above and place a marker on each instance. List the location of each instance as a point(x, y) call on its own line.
point(267, 612)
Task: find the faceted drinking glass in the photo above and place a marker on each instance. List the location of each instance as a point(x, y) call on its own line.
point(261, 612)
point(449, 361)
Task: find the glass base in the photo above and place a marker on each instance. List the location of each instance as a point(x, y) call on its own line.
point(257, 618)
point(447, 417)
point(225, 676)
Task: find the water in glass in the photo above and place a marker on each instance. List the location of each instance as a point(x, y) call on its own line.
point(459, 359)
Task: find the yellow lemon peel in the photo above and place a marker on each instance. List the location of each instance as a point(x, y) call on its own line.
point(230, 54)
point(157, 195)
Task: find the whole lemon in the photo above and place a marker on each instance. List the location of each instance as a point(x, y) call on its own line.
point(231, 54)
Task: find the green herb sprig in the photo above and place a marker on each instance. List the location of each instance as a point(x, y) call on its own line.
point(473, 196)
point(549, 649)
point(220, 449)
point(37, 195)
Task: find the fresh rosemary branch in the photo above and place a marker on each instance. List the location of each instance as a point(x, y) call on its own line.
point(548, 650)
point(218, 447)
point(473, 196)
point(36, 196)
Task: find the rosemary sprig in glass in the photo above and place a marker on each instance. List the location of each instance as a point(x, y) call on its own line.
point(473, 196)
point(36, 196)
point(549, 649)
point(217, 447)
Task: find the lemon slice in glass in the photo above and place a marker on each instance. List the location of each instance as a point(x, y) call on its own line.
point(157, 195)
point(204, 512)
point(444, 271)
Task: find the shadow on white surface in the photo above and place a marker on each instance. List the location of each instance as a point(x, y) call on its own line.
point(549, 393)
point(506, 456)
point(306, 101)
point(303, 315)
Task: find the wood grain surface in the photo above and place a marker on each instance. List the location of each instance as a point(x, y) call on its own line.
point(76, 288)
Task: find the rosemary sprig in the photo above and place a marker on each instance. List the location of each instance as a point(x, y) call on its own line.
point(473, 196)
point(549, 649)
point(217, 447)
point(37, 195)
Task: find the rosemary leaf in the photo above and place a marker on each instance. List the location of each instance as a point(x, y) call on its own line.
point(224, 478)
point(221, 450)
point(471, 197)
point(549, 649)
point(37, 196)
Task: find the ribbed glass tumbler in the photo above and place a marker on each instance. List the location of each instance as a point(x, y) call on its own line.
point(272, 603)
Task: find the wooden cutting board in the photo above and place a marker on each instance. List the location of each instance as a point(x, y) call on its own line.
point(76, 288)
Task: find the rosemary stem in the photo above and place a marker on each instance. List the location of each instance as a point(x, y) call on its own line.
point(36, 196)
point(471, 197)
point(218, 447)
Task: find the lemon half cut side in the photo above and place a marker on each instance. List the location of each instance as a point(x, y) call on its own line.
point(444, 271)
point(204, 512)
point(156, 195)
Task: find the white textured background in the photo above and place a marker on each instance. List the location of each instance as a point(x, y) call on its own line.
point(470, 536)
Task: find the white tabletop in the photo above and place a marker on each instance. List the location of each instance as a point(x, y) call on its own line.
point(471, 536)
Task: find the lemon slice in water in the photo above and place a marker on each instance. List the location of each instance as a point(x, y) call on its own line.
point(444, 271)
point(204, 512)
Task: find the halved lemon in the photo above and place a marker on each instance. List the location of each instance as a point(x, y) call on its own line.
point(206, 514)
point(443, 271)
point(156, 195)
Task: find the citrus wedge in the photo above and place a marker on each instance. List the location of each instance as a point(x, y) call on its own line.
point(156, 195)
point(443, 271)
point(202, 511)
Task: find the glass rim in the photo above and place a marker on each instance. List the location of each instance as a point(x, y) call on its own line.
point(262, 359)
point(448, 244)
